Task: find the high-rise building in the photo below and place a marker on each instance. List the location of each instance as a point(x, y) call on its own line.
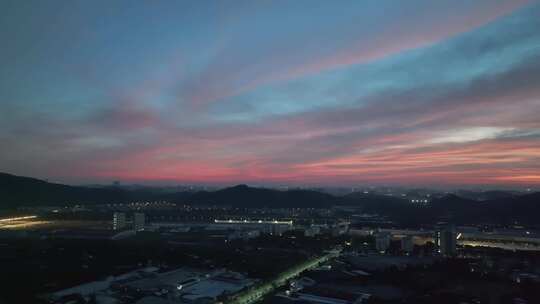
point(340, 228)
point(407, 244)
point(447, 240)
point(382, 241)
point(138, 221)
point(119, 221)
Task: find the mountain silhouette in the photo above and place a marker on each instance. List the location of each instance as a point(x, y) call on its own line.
point(18, 191)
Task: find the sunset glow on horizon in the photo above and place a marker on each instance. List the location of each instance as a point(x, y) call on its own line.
point(443, 93)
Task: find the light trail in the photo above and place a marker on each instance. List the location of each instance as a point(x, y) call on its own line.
point(21, 222)
point(12, 219)
point(24, 225)
point(503, 245)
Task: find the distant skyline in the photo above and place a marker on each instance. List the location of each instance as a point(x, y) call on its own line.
point(407, 93)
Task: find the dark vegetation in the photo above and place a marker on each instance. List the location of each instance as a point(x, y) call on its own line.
point(501, 208)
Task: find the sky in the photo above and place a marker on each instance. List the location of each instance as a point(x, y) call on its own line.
point(372, 92)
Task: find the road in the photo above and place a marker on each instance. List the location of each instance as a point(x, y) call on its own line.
point(257, 292)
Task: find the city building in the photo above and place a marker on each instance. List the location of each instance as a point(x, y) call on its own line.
point(330, 296)
point(447, 240)
point(139, 220)
point(382, 241)
point(181, 285)
point(340, 228)
point(270, 227)
point(407, 244)
point(119, 221)
point(312, 231)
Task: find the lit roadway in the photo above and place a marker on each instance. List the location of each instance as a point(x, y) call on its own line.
point(259, 291)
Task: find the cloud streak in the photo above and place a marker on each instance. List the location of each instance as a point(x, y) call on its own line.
point(452, 98)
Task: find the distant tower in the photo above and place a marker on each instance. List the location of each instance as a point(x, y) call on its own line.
point(382, 241)
point(119, 221)
point(447, 240)
point(139, 220)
